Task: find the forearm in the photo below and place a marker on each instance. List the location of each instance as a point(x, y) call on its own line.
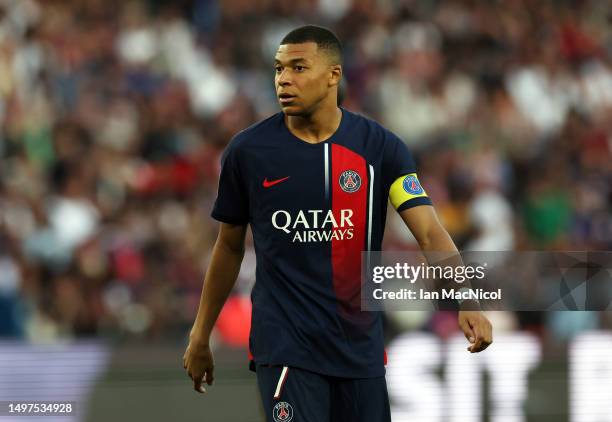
point(219, 280)
point(434, 241)
point(437, 240)
point(440, 250)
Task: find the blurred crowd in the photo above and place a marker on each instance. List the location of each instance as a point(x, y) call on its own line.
point(113, 116)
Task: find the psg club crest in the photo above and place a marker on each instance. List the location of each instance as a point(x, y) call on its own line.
point(412, 185)
point(350, 181)
point(282, 412)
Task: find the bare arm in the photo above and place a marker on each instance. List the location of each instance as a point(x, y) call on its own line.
point(434, 241)
point(432, 237)
point(218, 283)
point(220, 278)
point(427, 229)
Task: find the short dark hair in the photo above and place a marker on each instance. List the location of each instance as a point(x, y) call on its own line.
point(323, 37)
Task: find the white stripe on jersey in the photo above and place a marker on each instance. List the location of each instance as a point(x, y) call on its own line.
point(326, 171)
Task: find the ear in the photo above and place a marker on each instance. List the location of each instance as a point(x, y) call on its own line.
point(335, 75)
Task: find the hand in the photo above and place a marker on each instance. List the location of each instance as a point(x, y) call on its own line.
point(199, 363)
point(477, 330)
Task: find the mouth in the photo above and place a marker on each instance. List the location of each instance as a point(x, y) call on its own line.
point(286, 98)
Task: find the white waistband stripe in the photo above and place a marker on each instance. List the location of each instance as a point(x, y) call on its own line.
point(281, 381)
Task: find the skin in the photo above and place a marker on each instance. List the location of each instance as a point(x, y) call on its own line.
point(432, 237)
point(219, 280)
point(313, 76)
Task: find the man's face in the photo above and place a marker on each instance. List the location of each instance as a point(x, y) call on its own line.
point(303, 77)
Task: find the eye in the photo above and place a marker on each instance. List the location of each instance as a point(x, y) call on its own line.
point(299, 68)
point(278, 69)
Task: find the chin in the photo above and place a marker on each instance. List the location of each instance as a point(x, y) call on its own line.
point(292, 110)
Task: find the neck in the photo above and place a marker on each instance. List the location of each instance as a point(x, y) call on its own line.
point(316, 127)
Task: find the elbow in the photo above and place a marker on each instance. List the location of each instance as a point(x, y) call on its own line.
point(425, 242)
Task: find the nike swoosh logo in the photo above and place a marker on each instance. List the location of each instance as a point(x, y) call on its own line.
point(267, 183)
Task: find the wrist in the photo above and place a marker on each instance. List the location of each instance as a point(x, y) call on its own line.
point(199, 338)
point(468, 303)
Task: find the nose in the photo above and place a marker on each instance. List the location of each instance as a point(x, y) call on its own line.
point(283, 78)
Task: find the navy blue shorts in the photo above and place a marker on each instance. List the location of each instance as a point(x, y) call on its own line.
point(296, 395)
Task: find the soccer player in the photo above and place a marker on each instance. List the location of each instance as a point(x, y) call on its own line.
point(313, 182)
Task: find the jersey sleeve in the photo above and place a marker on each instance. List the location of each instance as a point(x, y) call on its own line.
point(400, 175)
point(232, 203)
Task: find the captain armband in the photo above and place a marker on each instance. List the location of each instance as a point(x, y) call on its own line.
point(407, 192)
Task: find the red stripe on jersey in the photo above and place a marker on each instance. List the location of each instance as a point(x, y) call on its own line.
point(346, 253)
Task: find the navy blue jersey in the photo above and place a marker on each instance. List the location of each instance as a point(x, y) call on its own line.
point(313, 209)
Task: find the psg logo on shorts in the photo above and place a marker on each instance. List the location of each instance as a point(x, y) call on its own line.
point(350, 181)
point(412, 185)
point(282, 412)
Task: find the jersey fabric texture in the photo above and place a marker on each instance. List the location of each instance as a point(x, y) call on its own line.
point(313, 209)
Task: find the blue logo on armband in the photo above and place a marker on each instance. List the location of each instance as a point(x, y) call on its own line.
point(412, 186)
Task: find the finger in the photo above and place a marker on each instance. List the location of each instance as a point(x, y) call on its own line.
point(487, 337)
point(467, 331)
point(478, 339)
point(476, 329)
point(484, 346)
point(476, 346)
point(484, 339)
point(487, 341)
point(209, 375)
point(197, 385)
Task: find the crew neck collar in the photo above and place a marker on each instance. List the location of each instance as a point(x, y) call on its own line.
point(333, 136)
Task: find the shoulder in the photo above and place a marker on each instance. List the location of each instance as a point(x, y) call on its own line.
point(365, 123)
point(251, 134)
